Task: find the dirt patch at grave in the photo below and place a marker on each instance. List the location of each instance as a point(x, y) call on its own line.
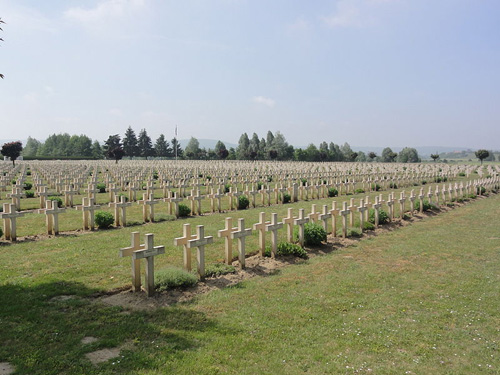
point(102, 355)
point(6, 368)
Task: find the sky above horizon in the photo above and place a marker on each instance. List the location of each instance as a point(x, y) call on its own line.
point(367, 72)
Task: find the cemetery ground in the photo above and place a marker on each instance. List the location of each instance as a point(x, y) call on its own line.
point(420, 299)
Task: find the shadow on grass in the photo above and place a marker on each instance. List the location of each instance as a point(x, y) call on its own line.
point(42, 328)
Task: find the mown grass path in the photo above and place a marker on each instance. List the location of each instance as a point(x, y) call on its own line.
point(422, 299)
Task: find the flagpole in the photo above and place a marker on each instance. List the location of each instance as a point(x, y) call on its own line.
point(176, 143)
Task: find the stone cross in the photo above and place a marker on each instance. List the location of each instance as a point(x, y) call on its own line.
point(120, 205)
point(195, 199)
point(261, 228)
point(175, 202)
point(183, 241)
point(334, 212)
point(52, 212)
point(112, 190)
point(228, 244)
point(240, 234)
point(344, 213)
point(200, 243)
point(68, 195)
point(351, 207)
point(412, 200)
point(300, 222)
point(215, 200)
point(368, 205)
point(91, 191)
point(390, 206)
point(314, 215)
point(421, 199)
point(376, 207)
point(148, 202)
point(402, 200)
point(9, 216)
point(273, 228)
point(88, 207)
point(16, 196)
point(43, 194)
point(324, 216)
point(148, 253)
point(136, 263)
point(288, 221)
point(362, 209)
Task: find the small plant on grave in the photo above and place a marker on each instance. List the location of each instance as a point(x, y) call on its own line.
point(267, 252)
point(101, 187)
point(376, 187)
point(29, 193)
point(354, 232)
point(164, 217)
point(407, 217)
point(13, 182)
point(227, 187)
point(1, 232)
point(286, 198)
point(368, 226)
point(56, 199)
point(383, 217)
point(437, 179)
point(123, 195)
point(287, 248)
point(155, 175)
point(314, 234)
point(104, 219)
point(480, 190)
point(332, 192)
point(28, 173)
point(243, 202)
point(303, 181)
point(450, 204)
point(445, 179)
point(28, 185)
point(218, 269)
point(472, 196)
point(359, 191)
point(392, 185)
point(259, 185)
point(184, 210)
point(173, 277)
point(426, 206)
point(462, 174)
point(424, 182)
point(269, 178)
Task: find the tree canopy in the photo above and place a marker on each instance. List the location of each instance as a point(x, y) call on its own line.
point(12, 150)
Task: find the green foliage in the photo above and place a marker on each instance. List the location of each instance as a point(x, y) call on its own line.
point(303, 181)
point(103, 219)
point(368, 226)
point(218, 269)
point(243, 202)
point(56, 199)
point(462, 174)
point(332, 192)
point(184, 210)
point(314, 234)
point(28, 185)
point(354, 232)
point(172, 277)
point(227, 187)
point(101, 187)
point(359, 191)
point(286, 248)
point(480, 190)
point(286, 198)
point(472, 196)
point(392, 185)
point(376, 187)
point(123, 195)
point(426, 206)
point(383, 217)
point(29, 193)
point(259, 185)
point(424, 182)
point(1, 232)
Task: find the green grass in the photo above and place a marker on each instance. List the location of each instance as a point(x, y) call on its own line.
point(422, 299)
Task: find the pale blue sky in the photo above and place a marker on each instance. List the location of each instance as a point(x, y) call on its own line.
point(368, 72)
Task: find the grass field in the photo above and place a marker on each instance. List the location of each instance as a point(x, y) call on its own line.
point(422, 299)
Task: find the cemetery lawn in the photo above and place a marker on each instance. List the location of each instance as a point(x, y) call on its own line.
point(422, 299)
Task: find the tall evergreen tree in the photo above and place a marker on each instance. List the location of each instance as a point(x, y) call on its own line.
point(96, 149)
point(162, 147)
point(221, 151)
point(243, 152)
point(144, 144)
point(113, 147)
point(130, 143)
point(31, 148)
point(193, 150)
point(176, 148)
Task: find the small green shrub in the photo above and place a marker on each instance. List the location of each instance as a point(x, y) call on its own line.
point(480, 190)
point(101, 187)
point(104, 219)
point(354, 232)
point(376, 187)
point(172, 277)
point(28, 173)
point(314, 234)
point(462, 174)
point(259, 185)
point(123, 195)
point(218, 269)
point(424, 182)
point(29, 193)
point(332, 192)
point(472, 196)
point(359, 191)
point(28, 185)
point(368, 226)
point(184, 210)
point(286, 248)
point(1, 232)
point(243, 202)
point(227, 187)
point(426, 206)
point(437, 179)
point(303, 181)
point(56, 199)
point(286, 198)
point(383, 216)
point(392, 185)
point(155, 175)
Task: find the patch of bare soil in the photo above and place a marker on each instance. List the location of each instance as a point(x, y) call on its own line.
point(6, 368)
point(102, 355)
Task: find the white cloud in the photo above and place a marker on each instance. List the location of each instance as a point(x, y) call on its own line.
point(265, 101)
point(23, 18)
point(299, 25)
point(355, 13)
point(104, 12)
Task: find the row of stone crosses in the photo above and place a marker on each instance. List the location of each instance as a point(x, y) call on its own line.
point(51, 210)
point(199, 240)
